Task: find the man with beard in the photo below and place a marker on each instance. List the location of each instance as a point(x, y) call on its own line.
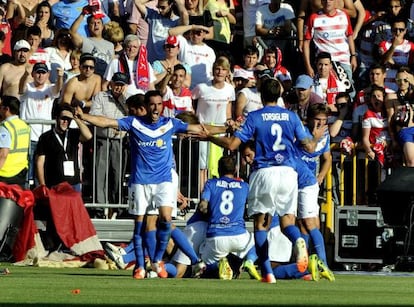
point(11, 73)
point(150, 183)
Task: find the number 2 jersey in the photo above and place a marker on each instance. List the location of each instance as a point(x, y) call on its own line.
point(274, 130)
point(226, 198)
point(151, 148)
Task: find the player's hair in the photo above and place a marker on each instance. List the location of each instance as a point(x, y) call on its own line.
point(249, 144)
point(11, 102)
point(150, 94)
point(270, 90)
point(317, 108)
point(136, 101)
point(226, 166)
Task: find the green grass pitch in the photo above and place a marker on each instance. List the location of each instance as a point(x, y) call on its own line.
point(51, 287)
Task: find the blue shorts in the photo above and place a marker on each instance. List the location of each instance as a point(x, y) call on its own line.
point(406, 135)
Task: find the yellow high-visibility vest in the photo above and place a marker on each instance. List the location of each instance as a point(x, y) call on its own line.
point(17, 159)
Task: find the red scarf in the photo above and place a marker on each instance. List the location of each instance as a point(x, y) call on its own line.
point(141, 77)
point(332, 88)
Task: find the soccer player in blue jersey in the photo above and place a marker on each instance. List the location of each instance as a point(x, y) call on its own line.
point(309, 181)
point(224, 200)
point(151, 164)
point(273, 186)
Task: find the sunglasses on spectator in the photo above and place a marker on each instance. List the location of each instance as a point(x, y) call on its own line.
point(397, 30)
point(401, 80)
point(169, 46)
point(88, 67)
point(65, 118)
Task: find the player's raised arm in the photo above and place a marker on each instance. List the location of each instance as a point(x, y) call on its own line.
point(96, 120)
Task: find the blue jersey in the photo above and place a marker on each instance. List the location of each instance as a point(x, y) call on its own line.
point(151, 148)
point(274, 130)
point(226, 198)
point(306, 177)
point(311, 158)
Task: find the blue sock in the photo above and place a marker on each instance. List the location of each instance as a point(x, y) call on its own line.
point(184, 245)
point(318, 243)
point(251, 254)
point(163, 235)
point(288, 271)
point(150, 239)
point(292, 232)
point(262, 250)
point(129, 257)
point(130, 247)
point(138, 249)
point(171, 270)
point(305, 237)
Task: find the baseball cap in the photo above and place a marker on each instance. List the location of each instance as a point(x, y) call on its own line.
point(304, 81)
point(172, 41)
point(120, 77)
point(21, 44)
point(40, 67)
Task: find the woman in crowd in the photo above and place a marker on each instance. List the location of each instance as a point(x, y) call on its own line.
point(59, 53)
point(44, 20)
point(163, 67)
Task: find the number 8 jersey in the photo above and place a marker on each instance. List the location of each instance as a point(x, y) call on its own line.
point(226, 198)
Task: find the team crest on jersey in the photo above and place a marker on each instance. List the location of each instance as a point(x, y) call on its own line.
point(159, 143)
point(325, 35)
point(224, 220)
point(279, 158)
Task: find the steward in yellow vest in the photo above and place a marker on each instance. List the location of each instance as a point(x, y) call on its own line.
point(14, 143)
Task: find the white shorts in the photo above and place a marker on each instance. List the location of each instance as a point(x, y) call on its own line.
point(142, 197)
point(216, 248)
point(280, 247)
point(308, 202)
point(196, 234)
point(153, 210)
point(273, 190)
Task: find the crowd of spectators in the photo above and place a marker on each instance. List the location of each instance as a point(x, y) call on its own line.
point(317, 50)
